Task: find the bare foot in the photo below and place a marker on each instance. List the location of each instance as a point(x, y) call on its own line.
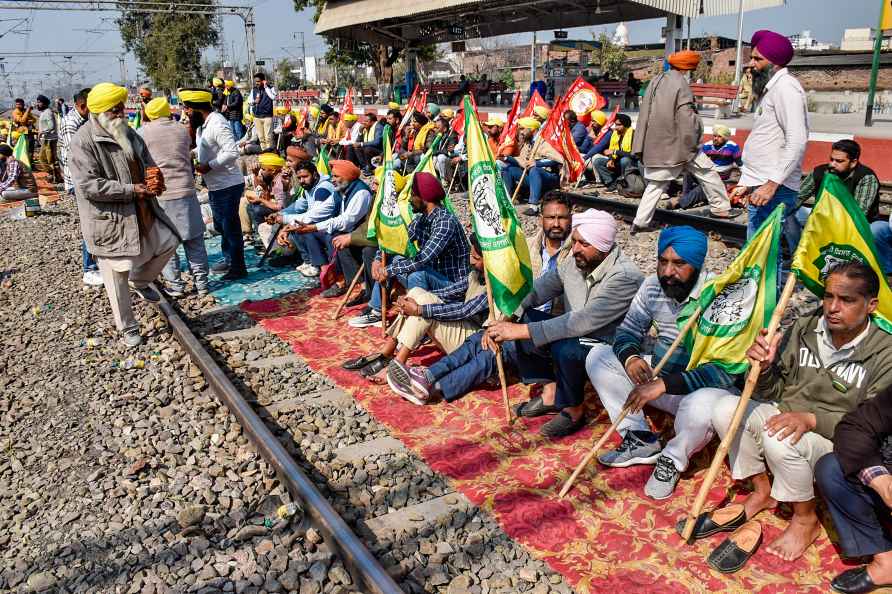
point(880, 569)
point(757, 502)
point(548, 392)
point(800, 533)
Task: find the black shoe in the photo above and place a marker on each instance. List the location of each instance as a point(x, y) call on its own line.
point(705, 525)
point(735, 551)
point(358, 300)
point(562, 425)
point(532, 211)
point(220, 267)
point(147, 293)
point(283, 262)
point(534, 407)
point(334, 291)
point(855, 581)
point(234, 275)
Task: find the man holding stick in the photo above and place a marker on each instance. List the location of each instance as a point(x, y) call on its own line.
point(622, 375)
point(537, 166)
point(828, 363)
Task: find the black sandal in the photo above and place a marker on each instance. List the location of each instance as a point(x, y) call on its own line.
point(726, 519)
point(735, 551)
point(374, 366)
point(359, 362)
point(534, 407)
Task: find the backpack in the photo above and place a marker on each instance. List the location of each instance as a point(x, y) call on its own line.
point(631, 184)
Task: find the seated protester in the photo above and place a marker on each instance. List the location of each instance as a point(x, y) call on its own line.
point(354, 199)
point(623, 375)
point(442, 257)
point(611, 157)
point(551, 244)
point(319, 202)
point(334, 132)
point(272, 184)
point(726, 155)
point(856, 482)
point(597, 288)
point(352, 136)
point(16, 180)
point(306, 141)
point(542, 161)
point(423, 134)
point(432, 111)
point(493, 129)
point(371, 143)
point(826, 364)
point(578, 131)
point(445, 150)
point(541, 113)
point(355, 249)
point(448, 315)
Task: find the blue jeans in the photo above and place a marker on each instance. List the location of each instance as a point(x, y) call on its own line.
point(427, 279)
point(224, 208)
point(469, 365)
point(882, 237)
point(609, 176)
point(315, 247)
point(238, 129)
point(538, 180)
point(258, 213)
point(758, 214)
point(858, 512)
point(87, 258)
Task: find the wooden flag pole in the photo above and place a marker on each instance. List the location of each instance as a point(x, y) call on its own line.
point(625, 411)
point(525, 169)
point(347, 294)
point(499, 364)
point(584, 169)
point(452, 181)
point(384, 294)
point(751, 379)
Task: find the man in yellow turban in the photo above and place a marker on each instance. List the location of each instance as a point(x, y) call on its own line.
point(542, 163)
point(116, 181)
point(217, 93)
point(667, 142)
point(541, 113)
point(272, 186)
point(218, 165)
point(232, 108)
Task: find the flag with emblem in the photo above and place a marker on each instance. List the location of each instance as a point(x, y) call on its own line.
point(505, 252)
point(737, 304)
point(391, 213)
point(837, 231)
point(20, 152)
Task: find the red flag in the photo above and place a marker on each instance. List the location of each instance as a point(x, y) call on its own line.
point(583, 97)
point(512, 117)
point(347, 107)
point(458, 122)
point(556, 133)
point(509, 134)
point(607, 125)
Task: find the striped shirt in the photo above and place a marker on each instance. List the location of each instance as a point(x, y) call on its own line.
point(652, 308)
point(70, 124)
point(10, 174)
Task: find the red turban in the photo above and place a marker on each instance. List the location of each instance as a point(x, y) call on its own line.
point(776, 48)
point(345, 170)
point(684, 60)
point(298, 153)
point(428, 187)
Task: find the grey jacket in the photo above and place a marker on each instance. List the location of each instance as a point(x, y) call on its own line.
point(669, 130)
point(168, 143)
point(104, 191)
point(594, 305)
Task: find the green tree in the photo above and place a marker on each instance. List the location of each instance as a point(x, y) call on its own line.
point(610, 57)
point(169, 46)
point(285, 78)
point(507, 78)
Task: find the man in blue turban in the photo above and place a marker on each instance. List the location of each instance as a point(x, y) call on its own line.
point(622, 373)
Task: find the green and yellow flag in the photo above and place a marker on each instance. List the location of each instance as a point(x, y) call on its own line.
point(737, 304)
point(505, 252)
point(391, 212)
point(322, 162)
point(20, 152)
point(838, 231)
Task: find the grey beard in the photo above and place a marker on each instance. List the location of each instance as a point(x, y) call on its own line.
point(760, 80)
point(117, 128)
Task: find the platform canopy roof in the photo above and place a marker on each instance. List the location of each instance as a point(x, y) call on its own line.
point(420, 22)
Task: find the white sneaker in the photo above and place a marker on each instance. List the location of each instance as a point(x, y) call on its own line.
point(92, 278)
point(308, 270)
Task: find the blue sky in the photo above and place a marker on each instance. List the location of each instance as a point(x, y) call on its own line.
point(278, 29)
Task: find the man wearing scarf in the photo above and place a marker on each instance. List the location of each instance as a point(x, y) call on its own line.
point(123, 225)
point(622, 373)
point(667, 141)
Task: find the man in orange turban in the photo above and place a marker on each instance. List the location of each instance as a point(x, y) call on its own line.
point(685, 60)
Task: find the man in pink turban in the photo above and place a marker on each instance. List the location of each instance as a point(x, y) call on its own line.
point(773, 153)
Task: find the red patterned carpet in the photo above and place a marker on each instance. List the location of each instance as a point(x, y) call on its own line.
point(605, 534)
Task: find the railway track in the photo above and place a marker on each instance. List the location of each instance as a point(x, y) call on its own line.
point(395, 525)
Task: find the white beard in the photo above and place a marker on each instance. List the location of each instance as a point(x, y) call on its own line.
point(118, 127)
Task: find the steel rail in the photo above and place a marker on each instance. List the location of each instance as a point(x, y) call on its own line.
point(362, 565)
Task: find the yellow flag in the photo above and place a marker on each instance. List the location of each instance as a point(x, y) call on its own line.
point(737, 304)
point(20, 152)
point(886, 22)
point(837, 231)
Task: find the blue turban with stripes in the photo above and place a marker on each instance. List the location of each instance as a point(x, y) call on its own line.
point(689, 243)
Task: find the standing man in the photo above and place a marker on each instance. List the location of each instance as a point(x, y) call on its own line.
point(72, 121)
point(218, 165)
point(773, 152)
point(217, 93)
point(124, 227)
point(233, 108)
point(667, 141)
point(47, 135)
point(169, 144)
point(261, 101)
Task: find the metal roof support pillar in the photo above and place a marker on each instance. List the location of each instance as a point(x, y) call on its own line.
point(673, 32)
point(738, 66)
point(411, 70)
